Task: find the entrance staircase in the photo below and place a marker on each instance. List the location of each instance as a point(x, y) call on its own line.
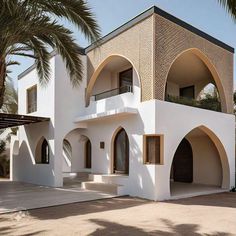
point(74, 179)
point(112, 184)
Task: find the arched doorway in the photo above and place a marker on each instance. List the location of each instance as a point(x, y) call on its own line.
point(88, 154)
point(121, 153)
point(198, 165)
point(183, 163)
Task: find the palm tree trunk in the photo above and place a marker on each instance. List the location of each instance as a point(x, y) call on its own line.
point(2, 80)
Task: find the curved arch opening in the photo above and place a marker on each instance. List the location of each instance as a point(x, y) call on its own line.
point(76, 158)
point(199, 165)
point(188, 75)
point(114, 76)
point(42, 152)
point(121, 152)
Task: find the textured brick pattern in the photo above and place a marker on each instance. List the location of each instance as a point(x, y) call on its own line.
point(171, 40)
point(152, 46)
point(136, 44)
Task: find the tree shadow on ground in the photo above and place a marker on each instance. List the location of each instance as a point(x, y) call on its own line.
point(83, 208)
point(217, 200)
point(9, 228)
point(114, 229)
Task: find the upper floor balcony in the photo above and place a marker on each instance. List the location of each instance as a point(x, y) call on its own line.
point(114, 90)
point(191, 82)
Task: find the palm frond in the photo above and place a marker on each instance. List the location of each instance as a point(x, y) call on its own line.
point(10, 98)
point(75, 11)
point(230, 6)
point(42, 60)
point(12, 63)
point(30, 28)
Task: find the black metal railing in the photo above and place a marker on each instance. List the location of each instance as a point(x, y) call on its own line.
point(113, 92)
point(208, 103)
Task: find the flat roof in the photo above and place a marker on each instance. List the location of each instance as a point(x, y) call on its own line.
point(13, 120)
point(137, 19)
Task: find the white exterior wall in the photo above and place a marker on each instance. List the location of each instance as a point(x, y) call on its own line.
point(24, 166)
point(175, 121)
point(141, 179)
point(63, 104)
point(68, 102)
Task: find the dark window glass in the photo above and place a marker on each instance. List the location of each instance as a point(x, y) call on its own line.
point(88, 154)
point(187, 92)
point(126, 78)
point(45, 152)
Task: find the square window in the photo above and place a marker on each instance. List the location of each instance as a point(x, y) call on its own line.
point(32, 99)
point(153, 149)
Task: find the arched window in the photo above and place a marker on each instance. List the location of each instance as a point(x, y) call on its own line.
point(88, 154)
point(42, 153)
point(121, 153)
point(45, 152)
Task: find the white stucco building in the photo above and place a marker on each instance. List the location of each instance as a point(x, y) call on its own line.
point(123, 125)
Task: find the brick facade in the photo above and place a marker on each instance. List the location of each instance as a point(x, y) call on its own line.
point(152, 45)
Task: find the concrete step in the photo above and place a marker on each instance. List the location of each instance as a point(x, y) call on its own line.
point(77, 175)
point(114, 189)
point(109, 179)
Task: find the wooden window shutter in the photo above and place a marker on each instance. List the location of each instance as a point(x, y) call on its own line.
point(153, 149)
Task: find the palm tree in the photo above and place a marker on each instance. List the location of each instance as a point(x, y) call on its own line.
point(230, 6)
point(31, 28)
point(10, 101)
point(10, 105)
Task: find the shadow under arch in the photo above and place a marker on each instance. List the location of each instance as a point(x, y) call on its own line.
point(215, 75)
point(221, 151)
point(99, 69)
point(115, 133)
point(77, 139)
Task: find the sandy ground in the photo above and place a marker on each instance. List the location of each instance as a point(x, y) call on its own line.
point(205, 215)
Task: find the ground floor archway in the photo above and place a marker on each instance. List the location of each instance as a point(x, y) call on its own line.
point(198, 165)
point(76, 157)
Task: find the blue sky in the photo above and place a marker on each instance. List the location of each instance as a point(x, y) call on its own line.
point(206, 15)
